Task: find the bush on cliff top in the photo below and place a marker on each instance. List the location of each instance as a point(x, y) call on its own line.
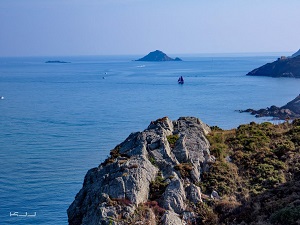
point(253, 160)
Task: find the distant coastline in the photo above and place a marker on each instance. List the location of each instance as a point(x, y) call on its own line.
point(284, 66)
point(56, 61)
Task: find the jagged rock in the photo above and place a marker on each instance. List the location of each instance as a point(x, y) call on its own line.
point(174, 196)
point(145, 160)
point(189, 217)
point(180, 151)
point(171, 218)
point(108, 211)
point(215, 195)
point(193, 193)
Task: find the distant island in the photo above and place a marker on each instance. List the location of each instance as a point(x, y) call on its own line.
point(289, 111)
point(282, 67)
point(56, 61)
point(157, 56)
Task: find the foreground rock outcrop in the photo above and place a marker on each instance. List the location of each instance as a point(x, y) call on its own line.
point(149, 178)
point(283, 67)
point(289, 111)
point(158, 56)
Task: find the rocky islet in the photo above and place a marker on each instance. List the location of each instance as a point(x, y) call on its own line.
point(157, 56)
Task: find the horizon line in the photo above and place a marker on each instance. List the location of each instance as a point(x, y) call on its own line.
point(273, 53)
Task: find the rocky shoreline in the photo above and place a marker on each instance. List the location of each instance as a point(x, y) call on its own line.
point(289, 111)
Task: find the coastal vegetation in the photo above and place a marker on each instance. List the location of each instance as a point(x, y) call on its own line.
point(157, 187)
point(254, 162)
point(172, 139)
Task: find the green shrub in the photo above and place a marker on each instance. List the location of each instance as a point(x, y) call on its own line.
point(222, 177)
point(283, 147)
point(296, 122)
point(287, 215)
point(206, 214)
point(152, 160)
point(216, 128)
point(157, 187)
point(219, 150)
point(172, 139)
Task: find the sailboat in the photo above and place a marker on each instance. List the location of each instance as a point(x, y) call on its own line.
point(180, 80)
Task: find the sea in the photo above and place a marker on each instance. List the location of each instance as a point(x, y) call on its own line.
point(58, 120)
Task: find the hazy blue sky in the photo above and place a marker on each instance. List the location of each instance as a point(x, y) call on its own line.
point(102, 27)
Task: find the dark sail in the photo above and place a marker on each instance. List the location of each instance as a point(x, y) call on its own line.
point(180, 80)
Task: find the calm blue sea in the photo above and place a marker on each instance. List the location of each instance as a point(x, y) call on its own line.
point(59, 120)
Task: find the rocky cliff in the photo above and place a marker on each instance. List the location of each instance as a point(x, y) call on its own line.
point(296, 53)
point(157, 56)
point(283, 67)
point(167, 175)
point(149, 178)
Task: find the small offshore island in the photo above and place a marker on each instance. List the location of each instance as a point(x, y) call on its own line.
point(157, 56)
point(185, 172)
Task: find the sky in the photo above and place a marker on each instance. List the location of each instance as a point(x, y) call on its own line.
point(136, 27)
